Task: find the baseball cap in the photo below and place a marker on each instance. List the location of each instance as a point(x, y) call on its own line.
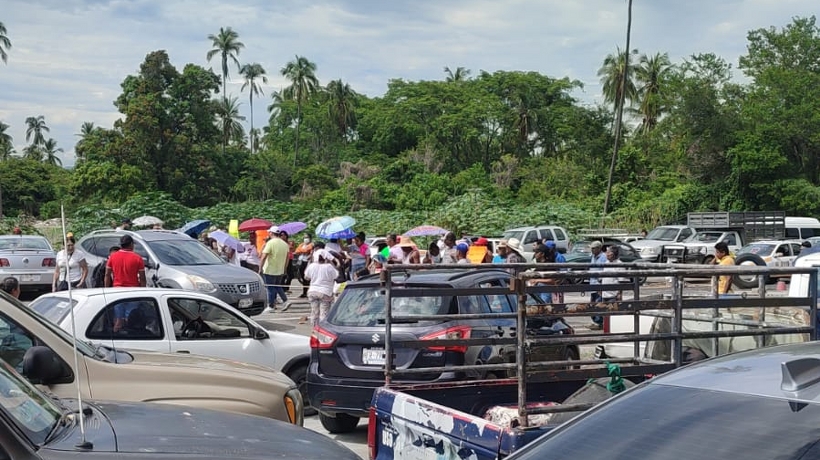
point(274, 230)
point(595, 245)
point(550, 244)
point(481, 241)
point(462, 247)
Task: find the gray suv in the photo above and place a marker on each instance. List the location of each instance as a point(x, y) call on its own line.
point(175, 260)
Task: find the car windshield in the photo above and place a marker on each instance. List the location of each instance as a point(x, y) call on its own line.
point(581, 247)
point(33, 413)
point(705, 237)
point(365, 306)
point(513, 234)
point(184, 252)
point(761, 249)
point(23, 242)
point(53, 309)
point(663, 234)
point(671, 422)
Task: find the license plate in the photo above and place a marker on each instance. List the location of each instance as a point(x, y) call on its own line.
point(29, 278)
point(373, 356)
point(243, 303)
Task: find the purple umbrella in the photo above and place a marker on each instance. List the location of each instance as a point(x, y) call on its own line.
point(293, 227)
point(426, 230)
point(227, 240)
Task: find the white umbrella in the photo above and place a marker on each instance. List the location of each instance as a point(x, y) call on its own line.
point(146, 221)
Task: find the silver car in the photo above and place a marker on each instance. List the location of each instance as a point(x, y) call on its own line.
point(175, 260)
point(30, 259)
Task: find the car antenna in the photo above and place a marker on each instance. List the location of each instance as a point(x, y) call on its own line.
point(84, 443)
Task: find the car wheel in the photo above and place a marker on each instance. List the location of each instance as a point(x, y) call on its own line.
point(299, 376)
point(571, 354)
point(748, 281)
point(341, 423)
point(709, 260)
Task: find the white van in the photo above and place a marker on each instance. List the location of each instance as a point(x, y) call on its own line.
point(801, 228)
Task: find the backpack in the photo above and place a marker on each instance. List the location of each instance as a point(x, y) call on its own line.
point(98, 275)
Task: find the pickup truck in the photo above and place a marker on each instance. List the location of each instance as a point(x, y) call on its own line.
point(459, 420)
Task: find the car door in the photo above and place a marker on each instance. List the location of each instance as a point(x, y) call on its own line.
point(782, 256)
point(131, 323)
point(207, 328)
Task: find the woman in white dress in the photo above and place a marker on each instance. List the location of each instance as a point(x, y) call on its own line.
point(71, 268)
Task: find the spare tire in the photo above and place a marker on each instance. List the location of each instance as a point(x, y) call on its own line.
point(748, 281)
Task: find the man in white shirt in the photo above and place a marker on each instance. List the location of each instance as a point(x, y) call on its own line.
point(612, 257)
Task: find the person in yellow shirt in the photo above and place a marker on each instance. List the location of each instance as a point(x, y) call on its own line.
point(272, 265)
point(722, 257)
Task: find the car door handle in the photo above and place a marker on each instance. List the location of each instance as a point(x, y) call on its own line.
point(184, 351)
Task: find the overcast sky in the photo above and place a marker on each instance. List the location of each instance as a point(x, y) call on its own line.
point(68, 57)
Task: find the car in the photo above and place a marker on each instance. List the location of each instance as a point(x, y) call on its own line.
point(582, 254)
point(175, 260)
point(38, 426)
point(176, 321)
point(348, 345)
point(56, 360)
point(30, 259)
point(772, 253)
point(651, 246)
point(759, 404)
point(530, 236)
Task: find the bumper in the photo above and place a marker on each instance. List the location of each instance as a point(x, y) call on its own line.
point(31, 280)
point(338, 397)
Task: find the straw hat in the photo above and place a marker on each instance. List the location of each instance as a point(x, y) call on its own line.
point(514, 245)
point(406, 242)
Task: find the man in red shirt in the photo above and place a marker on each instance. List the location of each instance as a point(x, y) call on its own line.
point(125, 268)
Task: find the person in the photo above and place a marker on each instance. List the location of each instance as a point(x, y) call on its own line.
point(250, 258)
point(17, 231)
point(541, 255)
point(433, 255)
point(514, 251)
point(98, 275)
point(410, 253)
point(396, 254)
point(322, 275)
point(613, 256)
point(272, 268)
point(724, 258)
point(333, 245)
point(302, 256)
point(71, 268)
point(461, 254)
point(11, 286)
point(125, 268)
point(125, 224)
point(448, 249)
point(597, 258)
point(359, 253)
point(289, 266)
point(479, 253)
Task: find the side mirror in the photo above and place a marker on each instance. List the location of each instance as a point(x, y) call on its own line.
point(41, 365)
point(260, 334)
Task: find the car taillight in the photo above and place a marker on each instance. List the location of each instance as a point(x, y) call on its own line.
point(4, 263)
point(49, 262)
point(372, 445)
point(606, 324)
point(321, 338)
point(457, 332)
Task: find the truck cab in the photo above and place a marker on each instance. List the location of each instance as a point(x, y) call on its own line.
point(651, 247)
point(700, 248)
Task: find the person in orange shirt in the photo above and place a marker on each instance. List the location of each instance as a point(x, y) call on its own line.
point(301, 259)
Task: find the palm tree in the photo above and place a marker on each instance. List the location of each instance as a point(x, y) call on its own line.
point(342, 106)
point(651, 73)
point(36, 126)
point(6, 152)
point(50, 151)
point(226, 43)
point(275, 107)
point(615, 73)
point(251, 72)
point(230, 120)
point(303, 82)
point(33, 152)
point(461, 74)
point(86, 129)
point(6, 141)
point(5, 43)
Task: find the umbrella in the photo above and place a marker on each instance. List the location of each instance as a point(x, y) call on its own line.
point(195, 227)
point(343, 235)
point(426, 230)
point(227, 240)
point(146, 221)
point(293, 227)
point(252, 225)
point(335, 225)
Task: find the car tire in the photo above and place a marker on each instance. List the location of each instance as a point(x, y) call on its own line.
point(299, 376)
point(340, 424)
point(748, 281)
point(709, 260)
point(571, 354)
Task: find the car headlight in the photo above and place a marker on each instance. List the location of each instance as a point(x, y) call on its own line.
point(295, 406)
point(201, 284)
point(699, 249)
point(649, 250)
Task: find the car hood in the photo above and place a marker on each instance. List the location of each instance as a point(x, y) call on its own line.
point(182, 361)
point(225, 273)
point(650, 243)
point(200, 433)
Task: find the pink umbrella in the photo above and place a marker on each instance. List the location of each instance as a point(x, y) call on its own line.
point(426, 230)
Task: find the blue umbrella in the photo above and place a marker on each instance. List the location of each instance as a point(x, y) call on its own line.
point(335, 225)
point(195, 227)
point(343, 235)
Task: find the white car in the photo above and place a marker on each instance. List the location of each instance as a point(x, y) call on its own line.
point(774, 253)
point(176, 321)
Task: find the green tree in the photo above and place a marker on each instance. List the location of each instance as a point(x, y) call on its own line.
point(36, 127)
point(252, 72)
point(50, 151)
point(5, 43)
point(342, 106)
point(230, 121)
point(303, 83)
point(6, 142)
point(227, 45)
point(612, 73)
point(33, 152)
point(651, 74)
point(460, 74)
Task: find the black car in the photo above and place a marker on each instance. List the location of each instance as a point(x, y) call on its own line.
point(347, 348)
point(755, 405)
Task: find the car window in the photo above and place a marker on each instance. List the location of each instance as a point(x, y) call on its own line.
point(474, 304)
point(140, 249)
point(365, 306)
point(184, 252)
point(546, 234)
point(25, 242)
point(560, 235)
point(498, 303)
point(53, 309)
point(670, 422)
point(783, 250)
point(531, 237)
point(685, 233)
point(796, 248)
point(34, 413)
point(127, 319)
point(14, 342)
point(731, 239)
point(792, 232)
point(807, 232)
point(519, 235)
point(219, 323)
point(100, 245)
